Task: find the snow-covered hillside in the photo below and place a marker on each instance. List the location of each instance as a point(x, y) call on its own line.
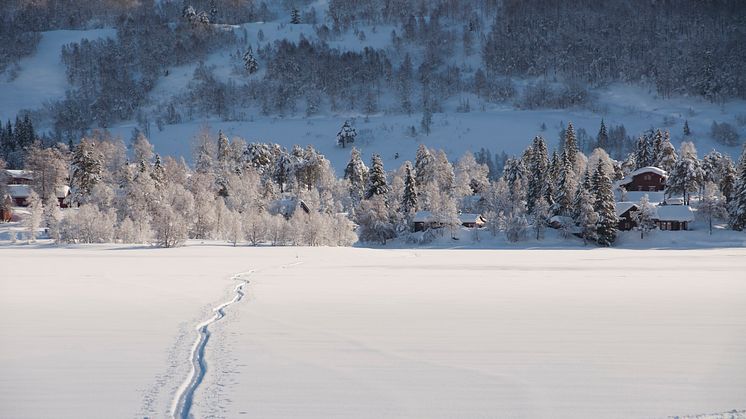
point(41, 77)
point(388, 131)
point(107, 330)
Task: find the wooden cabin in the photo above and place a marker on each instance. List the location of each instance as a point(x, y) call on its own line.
point(673, 217)
point(624, 212)
point(424, 220)
point(645, 179)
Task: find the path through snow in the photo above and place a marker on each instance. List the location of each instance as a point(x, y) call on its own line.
point(185, 395)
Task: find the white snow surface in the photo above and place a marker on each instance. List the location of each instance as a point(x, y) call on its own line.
point(366, 333)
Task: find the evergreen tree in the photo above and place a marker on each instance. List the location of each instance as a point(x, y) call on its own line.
point(249, 62)
point(346, 135)
point(657, 144)
point(586, 217)
point(643, 152)
point(687, 176)
point(377, 184)
point(602, 140)
point(666, 157)
point(409, 198)
point(585, 185)
point(538, 170)
point(687, 131)
point(424, 169)
point(87, 170)
point(159, 172)
point(738, 201)
point(571, 144)
point(540, 216)
point(294, 16)
point(563, 200)
point(606, 226)
point(356, 173)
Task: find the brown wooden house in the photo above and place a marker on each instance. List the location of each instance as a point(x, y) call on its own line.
point(624, 212)
point(645, 179)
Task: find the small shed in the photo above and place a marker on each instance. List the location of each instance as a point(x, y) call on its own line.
point(673, 217)
point(472, 220)
point(19, 194)
point(624, 212)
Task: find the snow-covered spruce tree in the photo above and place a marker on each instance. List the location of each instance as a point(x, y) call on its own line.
point(587, 217)
point(727, 182)
point(737, 205)
point(713, 204)
point(295, 16)
point(687, 131)
point(346, 135)
point(644, 216)
point(657, 146)
point(565, 188)
point(409, 197)
point(570, 144)
point(34, 219)
point(687, 176)
point(586, 185)
point(249, 62)
point(424, 172)
point(643, 152)
point(356, 174)
point(538, 172)
point(666, 158)
point(377, 185)
point(606, 226)
point(87, 169)
point(602, 139)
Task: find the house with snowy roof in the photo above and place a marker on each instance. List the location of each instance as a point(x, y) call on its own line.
point(424, 220)
point(671, 214)
point(650, 181)
point(19, 188)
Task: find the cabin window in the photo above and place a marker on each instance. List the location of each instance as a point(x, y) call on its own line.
point(647, 177)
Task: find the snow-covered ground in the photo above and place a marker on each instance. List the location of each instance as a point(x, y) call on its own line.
point(351, 332)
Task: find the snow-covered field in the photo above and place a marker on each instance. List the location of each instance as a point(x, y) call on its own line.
point(106, 331)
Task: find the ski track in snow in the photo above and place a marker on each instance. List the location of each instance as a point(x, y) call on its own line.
point(185, 395)
point(182, 403)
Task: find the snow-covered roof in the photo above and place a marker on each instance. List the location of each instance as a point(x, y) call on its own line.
point(649, 169)
point(19, 174)
point(422, 217)
point(19, 191)
point(622, 207)
point(673, 213)
point(470, 218)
